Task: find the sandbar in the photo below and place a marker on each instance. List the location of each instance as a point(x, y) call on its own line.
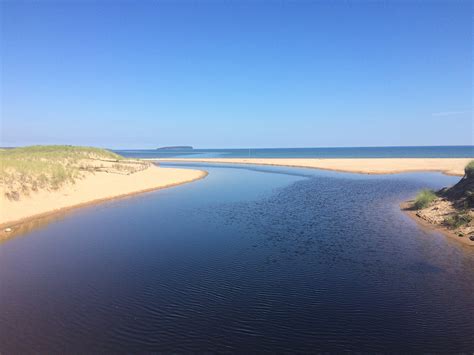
point(448, 166)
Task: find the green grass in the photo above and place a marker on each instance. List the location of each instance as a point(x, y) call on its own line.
point(57, 152)
point(424, 198)
point(32, 168)
point(457, 220)
point(469, 169)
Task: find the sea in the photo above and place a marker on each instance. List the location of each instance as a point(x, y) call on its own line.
point(465, 151)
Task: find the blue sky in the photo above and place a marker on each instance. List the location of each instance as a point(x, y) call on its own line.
point(142, 74)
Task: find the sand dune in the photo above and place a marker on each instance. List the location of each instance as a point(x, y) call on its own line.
point(449, 166)
point(91, 189)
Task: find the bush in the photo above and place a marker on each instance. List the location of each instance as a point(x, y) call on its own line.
point(424, 198)
point(458, 220)
point(469, 169)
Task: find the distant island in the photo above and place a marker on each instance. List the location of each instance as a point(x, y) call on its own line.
point(175, 147)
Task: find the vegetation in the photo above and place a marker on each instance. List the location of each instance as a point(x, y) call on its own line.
point(46, 167)
point(469, 169)
point(451, 207)
point(424, 198)
point(457, 220)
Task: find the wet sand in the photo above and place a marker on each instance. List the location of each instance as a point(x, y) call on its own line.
point(448, 166)
point(91, 189)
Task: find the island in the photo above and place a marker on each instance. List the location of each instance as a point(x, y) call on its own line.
point(176, 147)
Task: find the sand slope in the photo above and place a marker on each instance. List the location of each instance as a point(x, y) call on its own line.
point(92, 188)
point(449, 166)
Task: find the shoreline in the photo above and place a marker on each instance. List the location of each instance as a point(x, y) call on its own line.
point(407, 208)
point(370, 166)
point(176, 176)
point(186, 176)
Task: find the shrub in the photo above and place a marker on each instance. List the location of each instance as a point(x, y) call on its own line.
point(457, 220)
point(424, 198)
point(469, 169)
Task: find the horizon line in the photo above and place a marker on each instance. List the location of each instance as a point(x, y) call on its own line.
point(316, 147)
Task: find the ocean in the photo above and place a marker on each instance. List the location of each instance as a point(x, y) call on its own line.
point(466, 151)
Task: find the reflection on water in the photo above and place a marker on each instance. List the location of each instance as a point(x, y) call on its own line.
point(22, 229)
point(244, 260)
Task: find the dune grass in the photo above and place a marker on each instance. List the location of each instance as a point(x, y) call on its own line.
point(457, 220)
point(31, 168)
point(424, 198)
point(469, 169)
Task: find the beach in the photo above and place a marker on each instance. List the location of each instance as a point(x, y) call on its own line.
point(92, 188)
point(448, 166)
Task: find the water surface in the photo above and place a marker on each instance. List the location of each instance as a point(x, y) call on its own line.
point(248, 259)
point(466, 151)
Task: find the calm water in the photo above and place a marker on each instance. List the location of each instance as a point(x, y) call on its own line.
point(248, 259)
point(359, 152)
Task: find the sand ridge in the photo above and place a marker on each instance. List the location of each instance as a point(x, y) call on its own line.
point(449, 166)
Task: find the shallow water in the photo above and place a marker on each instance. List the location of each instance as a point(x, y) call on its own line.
point(248, 259)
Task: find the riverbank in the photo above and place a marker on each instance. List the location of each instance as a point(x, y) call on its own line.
point(449, 210)
point(91, 189)
point(433, 218)
point(448, 166)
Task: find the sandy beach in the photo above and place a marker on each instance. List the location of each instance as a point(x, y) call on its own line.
point(449, 166)
point(91, 189)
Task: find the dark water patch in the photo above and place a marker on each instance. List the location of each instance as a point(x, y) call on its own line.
point(327, 218)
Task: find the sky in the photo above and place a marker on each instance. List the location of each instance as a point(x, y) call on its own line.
point(223, 74)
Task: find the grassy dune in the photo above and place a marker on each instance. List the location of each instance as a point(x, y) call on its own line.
point(27, 169)
point(451, 207)
point(424, 198)
point(469, 169)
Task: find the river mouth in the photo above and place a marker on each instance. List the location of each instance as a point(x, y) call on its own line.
point(249, 259)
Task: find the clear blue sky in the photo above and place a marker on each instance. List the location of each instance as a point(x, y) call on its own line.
point(142, 74)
